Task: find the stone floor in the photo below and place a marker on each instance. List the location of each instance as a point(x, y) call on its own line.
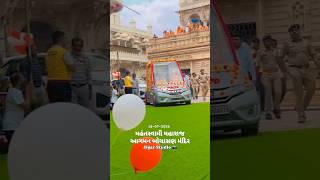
point(289, 122)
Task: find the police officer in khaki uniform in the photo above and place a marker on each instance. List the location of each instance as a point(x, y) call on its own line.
point(204, 84)
point(299, 53)
point(195, 86)
point(269, 64)
point(284, 78)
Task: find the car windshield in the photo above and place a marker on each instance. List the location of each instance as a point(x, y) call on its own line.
point(167, 73)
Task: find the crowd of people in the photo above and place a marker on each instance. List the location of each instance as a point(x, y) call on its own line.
point(65, 77)
point(192, 27)
point(197, 82)
point(128, 85)
point(271, 67)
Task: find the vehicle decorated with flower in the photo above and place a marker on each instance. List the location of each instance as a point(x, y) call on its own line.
point(234, 99)
point(165, 84)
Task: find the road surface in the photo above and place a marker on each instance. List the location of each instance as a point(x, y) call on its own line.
point(289, 122)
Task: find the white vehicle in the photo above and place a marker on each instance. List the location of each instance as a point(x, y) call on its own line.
point(100, 96)
point(234, 99)
point(142, 88)
point(165, 84)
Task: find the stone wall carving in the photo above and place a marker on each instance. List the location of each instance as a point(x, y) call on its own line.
point(298, 13)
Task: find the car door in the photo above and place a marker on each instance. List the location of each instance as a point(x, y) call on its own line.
point(100, 81)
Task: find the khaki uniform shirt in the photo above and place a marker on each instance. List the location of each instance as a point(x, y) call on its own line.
point(194, 82)
point(203, 79)
point(268, 61)
point(299, 53)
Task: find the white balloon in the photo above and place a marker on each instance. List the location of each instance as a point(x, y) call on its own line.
point(60, 141)
point(128, 112)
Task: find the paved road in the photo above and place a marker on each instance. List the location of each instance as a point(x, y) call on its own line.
point(289, 122)
point(200, 100)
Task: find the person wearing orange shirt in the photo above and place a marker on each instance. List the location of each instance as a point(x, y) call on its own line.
point(178, 30)
point(190, 27)
point(59, 71)
point(182, 30)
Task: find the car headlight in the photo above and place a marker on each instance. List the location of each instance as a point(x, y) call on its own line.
point(162, 99)
point(250, 111)
point(162, 96)
point(186, 90)
point(187, 94)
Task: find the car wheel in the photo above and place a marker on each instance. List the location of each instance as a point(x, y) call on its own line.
point(250, 130)
point(188, 102)
point(155, 102)
point(151, 100)
point(147, 100)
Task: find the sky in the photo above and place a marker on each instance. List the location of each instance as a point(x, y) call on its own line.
point(161, 14)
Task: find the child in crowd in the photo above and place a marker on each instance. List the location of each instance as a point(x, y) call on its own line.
point(114, 95)
point(14, 106)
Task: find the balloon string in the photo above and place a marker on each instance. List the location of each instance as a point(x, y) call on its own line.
point(115, 139)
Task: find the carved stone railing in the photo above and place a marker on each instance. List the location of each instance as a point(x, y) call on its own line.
point(186, 40)
point(124, 29)
point(127, 56)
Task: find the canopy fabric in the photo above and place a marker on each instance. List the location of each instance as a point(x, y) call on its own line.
point(223, 51)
